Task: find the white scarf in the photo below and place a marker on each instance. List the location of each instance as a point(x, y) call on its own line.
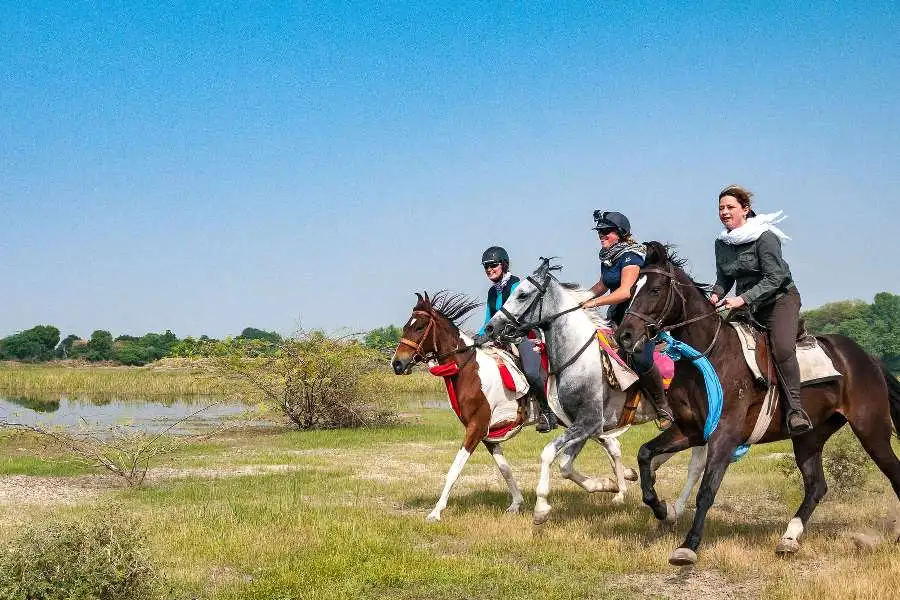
point(499, 285)
point(753, 228)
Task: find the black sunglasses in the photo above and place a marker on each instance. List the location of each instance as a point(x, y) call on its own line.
point(605, 230)
point(490, 265)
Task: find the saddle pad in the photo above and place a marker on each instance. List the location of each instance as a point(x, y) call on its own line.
point(508, 367)
point(624, 374)
point(815, 364)
point(503, 402)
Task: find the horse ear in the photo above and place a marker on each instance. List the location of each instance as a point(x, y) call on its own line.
point(421, 299)
point(427, 299)
point(656, 253)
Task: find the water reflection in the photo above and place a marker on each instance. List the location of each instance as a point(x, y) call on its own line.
point(101, 412)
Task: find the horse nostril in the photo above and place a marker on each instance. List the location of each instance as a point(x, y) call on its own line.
point(398, 367)
point(489, 328)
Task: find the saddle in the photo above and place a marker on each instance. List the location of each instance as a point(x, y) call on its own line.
point(815, 365)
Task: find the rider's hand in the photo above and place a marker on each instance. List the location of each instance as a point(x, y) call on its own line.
point(714, 299)
point(735, 302)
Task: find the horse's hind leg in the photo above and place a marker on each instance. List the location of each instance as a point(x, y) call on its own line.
point(874, 433)
point(808, 454)
point(506, 472)
point(614, 452)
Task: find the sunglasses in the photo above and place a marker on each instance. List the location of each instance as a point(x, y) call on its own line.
point(602, 232)
point(491, 265)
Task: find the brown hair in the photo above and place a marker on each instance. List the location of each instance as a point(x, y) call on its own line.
point(742, 195)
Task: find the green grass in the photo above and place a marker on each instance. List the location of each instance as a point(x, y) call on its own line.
point(344, 518)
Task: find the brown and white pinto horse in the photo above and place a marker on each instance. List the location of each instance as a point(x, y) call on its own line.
point(432, 334)
point(867, 396)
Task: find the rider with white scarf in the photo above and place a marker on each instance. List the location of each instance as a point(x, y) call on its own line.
point(748, 253)
point(621, 259)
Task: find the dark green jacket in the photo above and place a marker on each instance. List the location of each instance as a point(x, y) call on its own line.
point(757, 267)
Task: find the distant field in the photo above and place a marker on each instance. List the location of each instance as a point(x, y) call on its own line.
point(340, 514)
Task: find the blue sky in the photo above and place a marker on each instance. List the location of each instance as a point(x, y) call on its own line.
point(203, 169)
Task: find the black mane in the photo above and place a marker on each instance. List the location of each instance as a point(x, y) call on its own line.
point(659, 254)
point(453, 307)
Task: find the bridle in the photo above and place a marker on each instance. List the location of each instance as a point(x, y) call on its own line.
point(430, 329)
point(654, 327)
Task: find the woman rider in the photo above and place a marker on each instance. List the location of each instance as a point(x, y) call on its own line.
point(621, 259)
point(495, 261)
point(748, 252)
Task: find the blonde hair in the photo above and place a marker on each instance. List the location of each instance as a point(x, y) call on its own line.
point(742, 195)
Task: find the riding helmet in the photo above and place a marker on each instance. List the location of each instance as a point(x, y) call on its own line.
point(611, 220)
point(495, 254)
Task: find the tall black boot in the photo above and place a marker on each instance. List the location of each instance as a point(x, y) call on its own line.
point(654, 391)
point(796, 419)
point(546, 420)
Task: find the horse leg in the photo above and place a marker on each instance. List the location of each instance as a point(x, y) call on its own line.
point(669, 442)
point(614, 452)
point(476, 429)
point(572, 435)
point(589, 484)
point(506, 472)
point(808, 454)
point(874, 433)
point(695, 471)
point(720, 448)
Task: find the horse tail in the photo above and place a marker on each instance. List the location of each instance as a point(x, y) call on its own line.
point(893, 397)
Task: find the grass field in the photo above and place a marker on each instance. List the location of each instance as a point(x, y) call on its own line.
point(273, 514)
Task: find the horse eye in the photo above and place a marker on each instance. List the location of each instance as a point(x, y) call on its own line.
point(655, 291)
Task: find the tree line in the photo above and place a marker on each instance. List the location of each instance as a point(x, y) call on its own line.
point(875, 326)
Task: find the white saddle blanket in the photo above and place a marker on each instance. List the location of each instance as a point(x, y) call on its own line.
point(504, 403)
point(815, 364)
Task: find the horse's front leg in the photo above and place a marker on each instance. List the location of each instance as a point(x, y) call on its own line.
point(572, 435)
point(721, 447)
point(476, 429)
point(506, 472)
point(589, 484)
point(614, 452)
point(668, 442)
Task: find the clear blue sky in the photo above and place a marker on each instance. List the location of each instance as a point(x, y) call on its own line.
point(204, 169)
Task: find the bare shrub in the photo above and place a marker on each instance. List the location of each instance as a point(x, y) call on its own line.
point(316, 381)
point(101, 555)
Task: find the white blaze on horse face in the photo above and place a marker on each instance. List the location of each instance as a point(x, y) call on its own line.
point(411, 322)
point(637, 289)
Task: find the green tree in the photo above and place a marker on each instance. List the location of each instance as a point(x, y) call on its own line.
point(252, 333)
point(383, 339)
point(100, 346)
point(64, 349)
point(33, 345)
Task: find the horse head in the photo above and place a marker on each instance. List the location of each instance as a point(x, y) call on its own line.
point(525, 306)
point(658, 299)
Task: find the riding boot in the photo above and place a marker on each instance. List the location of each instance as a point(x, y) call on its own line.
point(796, 419)
point(654, 391)
point(547, 419)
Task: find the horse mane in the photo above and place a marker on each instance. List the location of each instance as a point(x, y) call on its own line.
point(453, 307)
point(659, 254)
point(581, 294)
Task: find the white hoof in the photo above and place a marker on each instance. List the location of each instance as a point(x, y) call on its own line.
point(671, 514)
point(630, 474)
point(540, 516)
point(682, 557)
point(433, 517)
point(787, 546)
point(619, 498)
point(864, 542)
point(514, 508)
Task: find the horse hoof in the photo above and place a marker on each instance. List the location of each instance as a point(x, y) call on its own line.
point(864, 542)
point(433, 518)
point(787, 546)
point(683, 557)
point(630, 474)
point(513, 509)
point(671, 514)
point(541, 517)
point(619, 499)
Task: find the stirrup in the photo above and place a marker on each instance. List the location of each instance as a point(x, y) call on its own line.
point(806, 427)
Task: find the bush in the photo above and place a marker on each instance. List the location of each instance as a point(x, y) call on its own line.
point(316, 381)
point(100, 556)
point(845, 462)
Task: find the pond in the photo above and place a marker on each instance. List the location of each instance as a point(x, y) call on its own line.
point(153, 414)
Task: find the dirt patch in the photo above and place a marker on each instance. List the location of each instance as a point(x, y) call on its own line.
point(16, 490)
point(690, 583)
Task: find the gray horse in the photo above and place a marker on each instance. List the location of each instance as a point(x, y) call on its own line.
point(585, 403)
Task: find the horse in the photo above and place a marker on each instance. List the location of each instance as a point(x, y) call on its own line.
point(867, 396)
point(432, 334)
point(588, 405)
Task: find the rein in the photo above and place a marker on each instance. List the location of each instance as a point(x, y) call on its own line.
point(419, 357)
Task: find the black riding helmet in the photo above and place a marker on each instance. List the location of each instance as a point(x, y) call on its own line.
point(611, 220)
point(495, 254)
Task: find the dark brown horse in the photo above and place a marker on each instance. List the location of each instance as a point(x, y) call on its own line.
point(432, 334)
point(866, 396)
